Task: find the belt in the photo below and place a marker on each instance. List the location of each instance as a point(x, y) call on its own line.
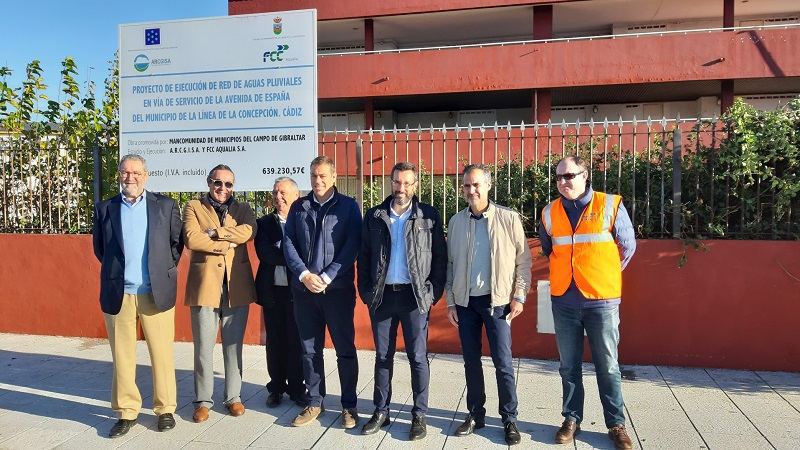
point(397, 287)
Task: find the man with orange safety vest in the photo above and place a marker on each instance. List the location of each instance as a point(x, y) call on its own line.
point(589, 239)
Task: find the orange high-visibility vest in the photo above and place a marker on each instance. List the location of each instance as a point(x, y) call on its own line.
point(589, 254)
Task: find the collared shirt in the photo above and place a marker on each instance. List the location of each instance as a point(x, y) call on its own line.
point(398, 264)
point(481, 270)
point(281, 279)
point(133, 216)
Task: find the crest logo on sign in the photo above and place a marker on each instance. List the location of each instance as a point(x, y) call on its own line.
point(277, 26)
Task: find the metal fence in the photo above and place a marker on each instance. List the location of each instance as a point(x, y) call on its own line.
point(665, 170)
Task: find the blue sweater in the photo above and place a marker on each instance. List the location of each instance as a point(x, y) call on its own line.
point(623, 233)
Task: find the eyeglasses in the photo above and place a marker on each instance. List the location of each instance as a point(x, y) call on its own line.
point(124, 174)
point(567, 176)
point(219, 183)
point(405, 185)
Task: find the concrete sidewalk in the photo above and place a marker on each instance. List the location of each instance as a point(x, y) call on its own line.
point(55, 393)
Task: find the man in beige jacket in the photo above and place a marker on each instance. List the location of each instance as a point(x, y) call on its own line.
point(488, 277)
point(220, 286)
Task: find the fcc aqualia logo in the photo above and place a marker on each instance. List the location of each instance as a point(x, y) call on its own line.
point(141, 63)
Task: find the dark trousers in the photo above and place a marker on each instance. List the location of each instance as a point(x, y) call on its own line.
point(471, 319)
point(284, 354)
point(313, 312)
point(400, 307)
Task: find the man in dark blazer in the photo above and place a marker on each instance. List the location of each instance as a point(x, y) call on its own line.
point(284, 353)
point(137, 238)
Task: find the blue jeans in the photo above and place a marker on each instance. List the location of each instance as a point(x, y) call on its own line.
point(471, 320)
point(400, 308)
point(602, 328)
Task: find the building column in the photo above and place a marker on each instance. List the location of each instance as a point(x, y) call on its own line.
point(726, 95)
point(542, 29)
point(369, 45)
point(727, 14)
point(726, 86)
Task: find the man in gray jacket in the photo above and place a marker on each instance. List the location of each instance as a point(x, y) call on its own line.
point(488, 277)
point(401, 274)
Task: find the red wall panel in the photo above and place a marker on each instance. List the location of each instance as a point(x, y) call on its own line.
point(670, 58)
point(735, 306)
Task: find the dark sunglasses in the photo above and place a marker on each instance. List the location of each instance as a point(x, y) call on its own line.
point(567, 176)
point(219, 183)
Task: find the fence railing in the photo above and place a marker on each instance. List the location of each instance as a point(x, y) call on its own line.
point(666, 171)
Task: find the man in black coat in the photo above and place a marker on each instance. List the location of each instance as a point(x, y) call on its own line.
point(137, 238)
point(284, 353)
point(402, 269)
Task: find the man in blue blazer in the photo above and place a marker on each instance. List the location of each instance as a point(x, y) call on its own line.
point(137, 238)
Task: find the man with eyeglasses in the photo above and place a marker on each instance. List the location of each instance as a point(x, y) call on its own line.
point(402, 268)
point(488, 277)
point(137, 238)
point(320, 243)
point(589, 239)
point(219, 288)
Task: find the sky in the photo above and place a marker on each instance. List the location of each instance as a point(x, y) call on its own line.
point(86, 30)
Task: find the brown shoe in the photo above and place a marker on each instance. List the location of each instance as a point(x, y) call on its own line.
point(619, 435)
point(349, 418)
point(308, 414)
point(200, 414)
point(567, 432)
point(236, 409)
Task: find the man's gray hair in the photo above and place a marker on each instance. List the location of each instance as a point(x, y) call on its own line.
point(132, 157)
point(286, 180)
point(487, 175)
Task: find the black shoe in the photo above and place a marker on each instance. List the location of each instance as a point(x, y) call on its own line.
point(375, 423)
point(121, 428)
point(418, 428)
point(470, 424)
point(166, 422)
point(512, 433)
point(274, 399)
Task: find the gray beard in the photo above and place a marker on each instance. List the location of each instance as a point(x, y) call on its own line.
point(401, 203)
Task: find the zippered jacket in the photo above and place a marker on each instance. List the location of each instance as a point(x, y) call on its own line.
point(339, 220)
point(426, 253)
point(510, 256)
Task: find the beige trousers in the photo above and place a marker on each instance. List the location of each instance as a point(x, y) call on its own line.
point(159, 333)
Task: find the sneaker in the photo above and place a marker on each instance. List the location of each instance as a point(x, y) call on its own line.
point(308, 414)
point(619, 435)
point(349, 418)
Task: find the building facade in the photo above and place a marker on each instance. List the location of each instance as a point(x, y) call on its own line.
point(461, 62)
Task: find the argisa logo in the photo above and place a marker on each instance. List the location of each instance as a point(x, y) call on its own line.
point(141, 63)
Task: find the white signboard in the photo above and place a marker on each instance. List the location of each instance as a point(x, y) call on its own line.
point(238, 90)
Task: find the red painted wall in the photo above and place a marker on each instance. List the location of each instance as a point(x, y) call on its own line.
point(671, 58)
point(328, 9)
point(735, 306)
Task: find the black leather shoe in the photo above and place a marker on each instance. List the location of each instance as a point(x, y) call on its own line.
point(166, 422)
point(418, 428)
point(121, 428)
point(512, 433)
point(274, 399)
point(470, 424)
point(375, 423)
